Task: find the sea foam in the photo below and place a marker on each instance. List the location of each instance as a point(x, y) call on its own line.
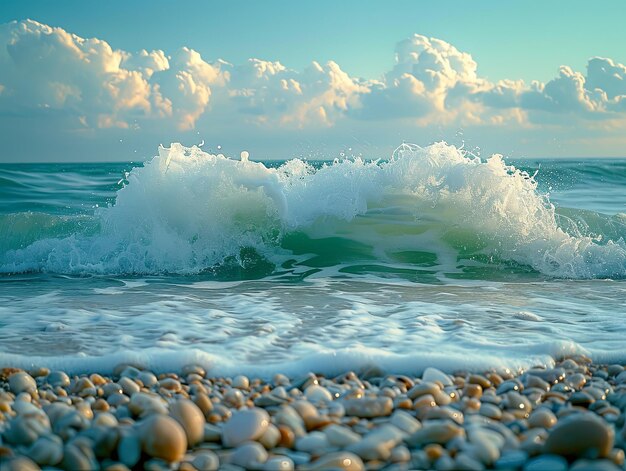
point(187, 211)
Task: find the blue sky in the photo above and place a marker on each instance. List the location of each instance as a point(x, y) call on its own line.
point(520, 42)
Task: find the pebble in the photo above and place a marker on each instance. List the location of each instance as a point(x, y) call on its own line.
point(435, 431)
point(245, 425)
point(368, 407)
point(433, 374)
point(58, 379)
point(378, 443)
point(543, 419)
point(250, 455)
point(316, 394)
point(191, 418)
point(22, 382)
point(206, 461)
point(580, 435)
point(162, 437)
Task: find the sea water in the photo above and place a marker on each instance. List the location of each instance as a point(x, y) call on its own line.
point(429, 257)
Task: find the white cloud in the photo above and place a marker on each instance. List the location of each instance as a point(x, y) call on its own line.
point(49, 71)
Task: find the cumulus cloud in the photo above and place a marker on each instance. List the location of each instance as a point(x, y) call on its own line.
point(49, 70)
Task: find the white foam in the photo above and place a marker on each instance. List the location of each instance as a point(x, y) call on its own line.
point(186, 210)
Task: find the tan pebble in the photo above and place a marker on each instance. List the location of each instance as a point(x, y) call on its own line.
point(245, 425)
point(471, 404)
point(316, 393)
point(490, 410)
point(480, 380)
point(426, 400)
point(195, 369)
point(100, 405)
point(129, 387)
point(434, 451)
point(39, 372)
point(543, 418)
point(580, 435)
point(287, 437)
point(536, 382)
point(305, 409)
point(214, 418)
point(241, 382)
point(204, 403)
point(58, 379)
point(473, 390)
point(576, 381)
point(191, 418)
point(143, 403)
point(341, 460)
point(5, 406)
point(170, 384)
point(271, 437)
point(22, 382)
point(224, 412)
point(403, 403)
point(369, 407)
point(234, 398)
point(82, 384)
point(495, 378)
point(405, 422)
point(422, 389)
point(617, 456)
point(147, 378)
point(97, 380)
point(105, 419)
point(162, 437)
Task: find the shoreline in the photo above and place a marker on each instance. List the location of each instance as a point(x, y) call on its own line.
point(570, 416)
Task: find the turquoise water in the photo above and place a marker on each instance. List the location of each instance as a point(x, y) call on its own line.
point(429, 257)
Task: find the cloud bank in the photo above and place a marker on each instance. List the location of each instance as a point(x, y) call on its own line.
point(84, 85)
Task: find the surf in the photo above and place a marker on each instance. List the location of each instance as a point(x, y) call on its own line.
point(437, 211)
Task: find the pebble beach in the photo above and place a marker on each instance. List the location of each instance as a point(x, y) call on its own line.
point(569, 416)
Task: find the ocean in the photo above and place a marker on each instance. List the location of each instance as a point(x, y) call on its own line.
point(432, 257)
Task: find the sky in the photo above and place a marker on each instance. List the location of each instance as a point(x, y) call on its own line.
point(96, 81)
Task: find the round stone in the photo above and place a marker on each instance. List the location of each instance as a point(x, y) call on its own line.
point(316, 393)
point(22, 382)
point(162, 437)
point(245, 425)
point(241, 382)
point(191, 418)
point(581, 435)
point(206, 461)
point(249, 455)
point(58, 379)
point(543, 418)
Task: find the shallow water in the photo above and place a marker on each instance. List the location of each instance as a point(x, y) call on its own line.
point(431, 258)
